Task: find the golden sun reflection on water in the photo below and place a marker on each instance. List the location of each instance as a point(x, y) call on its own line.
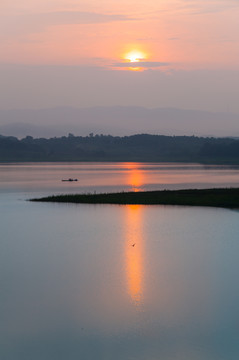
point(136, 176)
point(134, 253)
point(136, 179)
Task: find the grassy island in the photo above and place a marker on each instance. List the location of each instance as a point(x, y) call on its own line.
point(222, 197)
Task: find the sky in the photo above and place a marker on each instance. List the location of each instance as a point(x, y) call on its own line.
point(155, 53)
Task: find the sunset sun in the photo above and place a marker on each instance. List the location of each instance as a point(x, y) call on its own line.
point(134, 56)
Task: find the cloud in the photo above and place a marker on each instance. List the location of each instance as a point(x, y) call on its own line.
point(78, 17)
point(173, 38)
point(209, 6)
point(140, 64)
point(31, 23)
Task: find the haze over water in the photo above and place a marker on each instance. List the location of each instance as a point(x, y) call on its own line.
point(116, 282)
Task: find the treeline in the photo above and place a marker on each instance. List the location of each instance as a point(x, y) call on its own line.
point(142, 147)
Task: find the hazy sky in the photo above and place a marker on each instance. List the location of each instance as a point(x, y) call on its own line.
point(154, 53)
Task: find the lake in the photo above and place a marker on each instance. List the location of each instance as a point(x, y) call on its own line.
point(115, 282)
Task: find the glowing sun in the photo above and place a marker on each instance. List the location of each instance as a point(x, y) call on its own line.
point(134, 56)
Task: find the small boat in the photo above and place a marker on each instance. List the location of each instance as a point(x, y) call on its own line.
point(70, 179)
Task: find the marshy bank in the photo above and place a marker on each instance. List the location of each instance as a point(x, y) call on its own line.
point(221, 197)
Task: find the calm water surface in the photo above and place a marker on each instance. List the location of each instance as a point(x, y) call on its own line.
point(74, 287)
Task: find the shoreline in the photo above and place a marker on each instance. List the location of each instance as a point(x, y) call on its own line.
point(215, 197)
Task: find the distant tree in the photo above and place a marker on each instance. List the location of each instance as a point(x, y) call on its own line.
point(28, 138)
point(141, 147)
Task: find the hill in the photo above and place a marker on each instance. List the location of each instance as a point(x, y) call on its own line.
point(144, 147)
point(117, 120)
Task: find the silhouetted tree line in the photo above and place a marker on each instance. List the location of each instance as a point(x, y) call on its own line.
point(142, 147)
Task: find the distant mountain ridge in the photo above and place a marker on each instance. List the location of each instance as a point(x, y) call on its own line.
point(139, 148)
point(116, 120)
